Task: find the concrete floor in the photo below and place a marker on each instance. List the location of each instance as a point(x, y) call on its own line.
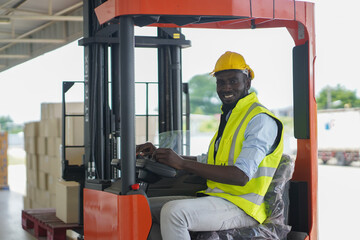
point(12, 204)
point(10, 211)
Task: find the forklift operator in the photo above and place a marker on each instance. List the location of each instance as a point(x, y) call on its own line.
point(239, 166)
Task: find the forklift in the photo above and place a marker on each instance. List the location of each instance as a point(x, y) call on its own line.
point(115, 184)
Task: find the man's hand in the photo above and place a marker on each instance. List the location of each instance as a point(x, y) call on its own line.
point(169, 157)
point(146, 149)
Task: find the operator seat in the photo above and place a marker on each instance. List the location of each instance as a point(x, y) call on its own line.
point(277, 202)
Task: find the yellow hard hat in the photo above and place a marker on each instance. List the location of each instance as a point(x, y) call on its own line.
point(232, 60)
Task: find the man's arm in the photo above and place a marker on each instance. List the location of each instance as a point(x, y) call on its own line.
point(260, 137)
point(190, 158)
point(223, 174)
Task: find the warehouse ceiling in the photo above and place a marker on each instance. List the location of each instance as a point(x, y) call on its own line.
point(29, 28)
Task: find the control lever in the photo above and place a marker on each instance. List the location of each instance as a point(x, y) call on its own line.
point(116, 163)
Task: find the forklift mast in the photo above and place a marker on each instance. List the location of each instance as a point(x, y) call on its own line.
point(109, 81)
point(106, 126)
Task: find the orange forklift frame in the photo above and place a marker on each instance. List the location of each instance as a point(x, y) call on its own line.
point(111, 216)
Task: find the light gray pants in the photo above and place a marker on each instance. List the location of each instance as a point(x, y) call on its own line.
point(178, 215)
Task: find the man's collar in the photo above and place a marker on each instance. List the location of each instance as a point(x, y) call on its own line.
point(238, 105)
point(251, 97)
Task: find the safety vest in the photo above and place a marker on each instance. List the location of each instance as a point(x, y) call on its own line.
point(250, 197)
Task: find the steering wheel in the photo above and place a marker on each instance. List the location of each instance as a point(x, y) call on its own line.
point(150, 165)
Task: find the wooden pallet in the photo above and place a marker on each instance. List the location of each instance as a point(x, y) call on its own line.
point(44, 223)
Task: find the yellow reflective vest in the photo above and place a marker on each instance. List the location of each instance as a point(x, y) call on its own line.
point(250, 197)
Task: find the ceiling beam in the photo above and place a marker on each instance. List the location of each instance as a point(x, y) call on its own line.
point(32, 40)
point(13, 56)
point(5, 33)
point(25, 11)
point(43, 17)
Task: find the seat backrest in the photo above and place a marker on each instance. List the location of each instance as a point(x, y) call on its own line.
point(277, 196)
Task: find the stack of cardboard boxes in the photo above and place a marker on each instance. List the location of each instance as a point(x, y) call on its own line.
point(3, 161)
point(43, 144)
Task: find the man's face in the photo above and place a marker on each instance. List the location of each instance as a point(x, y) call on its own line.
point(231, 86)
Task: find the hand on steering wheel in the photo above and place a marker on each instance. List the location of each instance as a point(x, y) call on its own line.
point(168, 157)
point(145, 150)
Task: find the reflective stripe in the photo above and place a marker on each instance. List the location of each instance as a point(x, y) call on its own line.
point(264, 172)
point(216, 145)
point(228, 115)
point(214, 190)
point(254, 198)
point(251, 197)
point(207, 160)
point(232, 149)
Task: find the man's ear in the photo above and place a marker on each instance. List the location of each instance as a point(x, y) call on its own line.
point(248, 83)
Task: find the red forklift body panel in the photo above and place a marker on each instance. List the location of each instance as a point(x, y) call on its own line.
point(109, 216)
point(114, 8)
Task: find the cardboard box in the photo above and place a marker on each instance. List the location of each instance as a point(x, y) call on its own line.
point(3, 140)
point(53, 146)
point(3, 144)
point(58, 144)
point(41, 128)
point(42, 198)
point(140, 129)
point(55, 167)
point(27, 202)
point(3, 180)
point(54, 110)
point(52, 127)
point(49, 127)
point(3, 153)
point(33, 162)
point(33, 178)
point(67, 201)
point(3, 166)
point(53, 200)
point(43, 181)
point(28, 161)
point(51, 110)
point(74, 131)
point(44, 163)
point(31, 145)
point(31, 129)
point(31, 192)
point(36, 205)
point(41, 145)
point(75, 155)
point(51, 181)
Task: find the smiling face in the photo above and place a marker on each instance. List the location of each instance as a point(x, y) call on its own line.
point(232, 85)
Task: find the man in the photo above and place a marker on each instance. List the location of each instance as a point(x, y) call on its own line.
point(242, 158)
